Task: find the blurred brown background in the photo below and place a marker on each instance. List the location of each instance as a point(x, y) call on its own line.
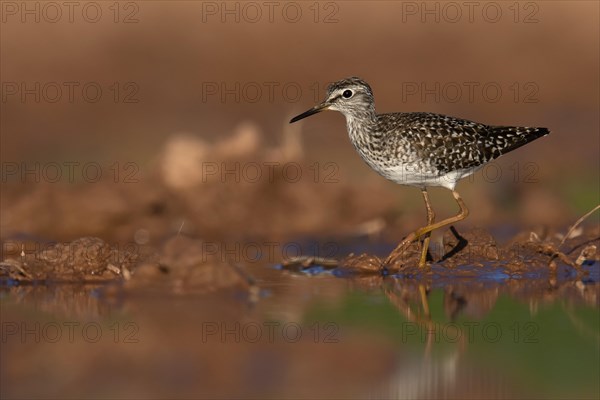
point(174, 75)
point(164, 92)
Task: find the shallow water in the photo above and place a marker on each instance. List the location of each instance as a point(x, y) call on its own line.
point(310, 333)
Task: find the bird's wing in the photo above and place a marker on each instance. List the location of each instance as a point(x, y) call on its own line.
point(448, 143)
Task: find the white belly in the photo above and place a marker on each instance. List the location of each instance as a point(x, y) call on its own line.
point(410, 175)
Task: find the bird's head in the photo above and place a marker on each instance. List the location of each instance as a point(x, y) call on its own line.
point(352, 97)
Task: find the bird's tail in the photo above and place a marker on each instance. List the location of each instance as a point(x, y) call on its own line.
point(508, 138)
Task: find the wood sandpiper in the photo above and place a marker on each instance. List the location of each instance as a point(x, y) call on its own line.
point(419, 149)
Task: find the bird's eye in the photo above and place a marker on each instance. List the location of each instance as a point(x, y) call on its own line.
point(347, 94)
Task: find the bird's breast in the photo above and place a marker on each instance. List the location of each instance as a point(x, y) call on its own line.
point(392, 157)
point(372, 148)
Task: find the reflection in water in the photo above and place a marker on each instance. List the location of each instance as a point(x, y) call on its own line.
point(444, 375)
point(453, 374)
point(453, 335)
point(394, 338)
point(65, 300)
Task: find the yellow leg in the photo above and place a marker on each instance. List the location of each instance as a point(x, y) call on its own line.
point(401, 248)
point(430, 220)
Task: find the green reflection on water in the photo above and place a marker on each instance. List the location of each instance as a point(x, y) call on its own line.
point(550, 349)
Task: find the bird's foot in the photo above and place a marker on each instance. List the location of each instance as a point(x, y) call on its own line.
point(399, 252)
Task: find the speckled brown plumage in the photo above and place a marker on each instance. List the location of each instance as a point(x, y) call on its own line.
point(418, 148)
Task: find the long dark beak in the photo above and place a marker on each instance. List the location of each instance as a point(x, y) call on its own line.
point(314, 110)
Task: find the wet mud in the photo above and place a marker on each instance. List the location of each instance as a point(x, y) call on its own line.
point(185, 261)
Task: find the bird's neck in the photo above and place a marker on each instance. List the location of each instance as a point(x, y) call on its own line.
point(362, 125)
